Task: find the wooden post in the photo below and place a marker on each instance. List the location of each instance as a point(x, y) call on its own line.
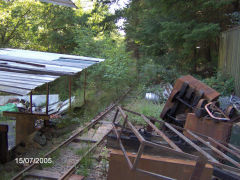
point(3, 143)
point(31, 102)
point(70, 93)
point(85, 85)
point(47, 99)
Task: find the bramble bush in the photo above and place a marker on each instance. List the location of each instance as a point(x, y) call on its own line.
point(224, 84)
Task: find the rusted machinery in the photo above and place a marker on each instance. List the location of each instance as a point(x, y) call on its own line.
point(193, 105)
point(169, 160)
point(187, 94)
point(195, 134)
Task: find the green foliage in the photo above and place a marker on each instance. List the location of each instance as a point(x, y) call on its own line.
point(145, 107)
point(117, 71)
point(30, 24)
point(224, 84)
point(155, 73)
point(83, 150)
point(86, 164)
point(157, 29)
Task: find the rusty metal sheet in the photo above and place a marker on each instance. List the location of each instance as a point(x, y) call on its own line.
point(209, 93)
point(180, 169)
point(219, 131)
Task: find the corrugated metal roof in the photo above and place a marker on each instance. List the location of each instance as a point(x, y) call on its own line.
point(68, 3)
point(21, 71)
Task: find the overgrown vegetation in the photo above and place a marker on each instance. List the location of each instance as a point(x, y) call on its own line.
point(221, 83)
point(164, 39)
point(145, 107)
point(86, 164)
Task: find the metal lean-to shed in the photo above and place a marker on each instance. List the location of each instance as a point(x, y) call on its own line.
point(21, 71)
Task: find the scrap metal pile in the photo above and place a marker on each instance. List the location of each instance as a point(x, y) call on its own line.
point(191, 143)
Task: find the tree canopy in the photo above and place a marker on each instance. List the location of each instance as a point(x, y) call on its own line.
point(183, 33)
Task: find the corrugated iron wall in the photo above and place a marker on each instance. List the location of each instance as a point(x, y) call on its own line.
point(229, 55)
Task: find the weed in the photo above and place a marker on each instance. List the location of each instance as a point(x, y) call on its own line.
point(54, 156)
point(104, 155)
point(221, 83)
point(83, 150)
point(145, 107)
point(86, 164)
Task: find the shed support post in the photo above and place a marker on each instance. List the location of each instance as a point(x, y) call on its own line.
point(46, 123)
point(3, 143)
point(31, 102)
point(85, 86)
point(47, 99)
point(70, 93)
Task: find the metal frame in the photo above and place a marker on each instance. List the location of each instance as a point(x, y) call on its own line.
point(200, 161)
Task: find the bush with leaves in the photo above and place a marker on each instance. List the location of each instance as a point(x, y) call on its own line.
point(224, 84)
point(117, 71)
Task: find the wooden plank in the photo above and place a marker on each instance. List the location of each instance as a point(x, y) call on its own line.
point(43, 174)
point(18, 114)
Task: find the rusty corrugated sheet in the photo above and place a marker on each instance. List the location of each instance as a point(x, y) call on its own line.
point(229, 55)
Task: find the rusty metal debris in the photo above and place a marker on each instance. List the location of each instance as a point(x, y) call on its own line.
point(194, 106)
point(173, 148)
point(188, 94)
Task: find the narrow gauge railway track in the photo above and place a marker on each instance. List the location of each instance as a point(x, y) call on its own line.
point(67, 173)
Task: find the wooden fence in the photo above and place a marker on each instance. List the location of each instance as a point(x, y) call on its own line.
point(229, 55)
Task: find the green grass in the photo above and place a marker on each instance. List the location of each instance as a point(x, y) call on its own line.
point(7, 176)
point(54, 156)
point(85, 165)
point(144, 107)
point(83, 150)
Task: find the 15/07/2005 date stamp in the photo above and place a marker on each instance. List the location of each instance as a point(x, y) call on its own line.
point(33, 160)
